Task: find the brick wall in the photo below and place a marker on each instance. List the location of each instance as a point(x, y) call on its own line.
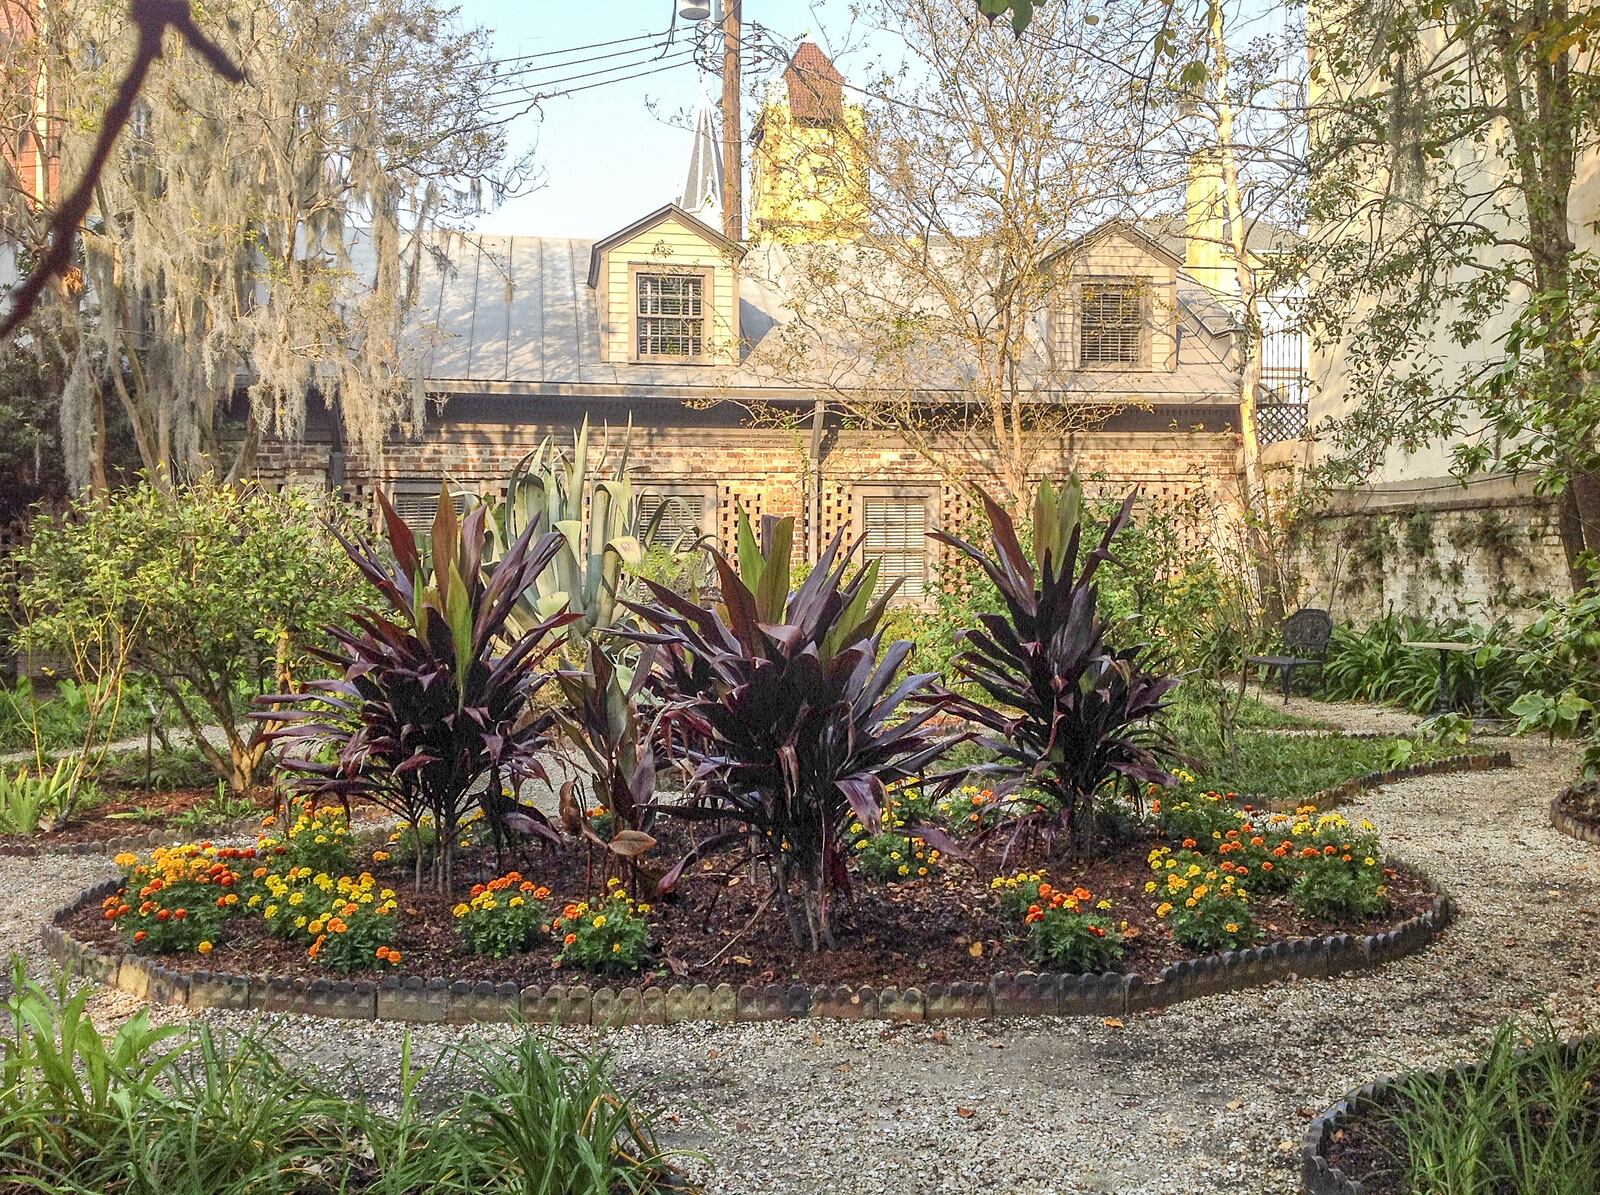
point(764, 470)
point(1496, 553)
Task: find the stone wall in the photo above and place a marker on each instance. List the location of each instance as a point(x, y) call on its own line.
point(1482, 552)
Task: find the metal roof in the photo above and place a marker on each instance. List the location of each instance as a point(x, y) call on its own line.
point(515, 314)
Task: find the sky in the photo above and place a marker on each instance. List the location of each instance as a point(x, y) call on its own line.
point(608, 154)
point(606, 159)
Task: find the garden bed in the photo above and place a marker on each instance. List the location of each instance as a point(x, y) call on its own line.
point(1576, 812)
point(946, 928)
point(129, 816)
point(1522, 1119)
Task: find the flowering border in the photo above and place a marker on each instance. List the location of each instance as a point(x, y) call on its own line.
point(437, 1000)
point(1574, 825)
point(1318, 1176)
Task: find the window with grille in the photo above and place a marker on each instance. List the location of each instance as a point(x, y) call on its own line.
point(669, 315)
point(896, 530)
point(1111, 324)
point(681, 523)
point(417, 501)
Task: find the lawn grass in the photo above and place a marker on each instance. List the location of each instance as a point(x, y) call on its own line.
point(1272, 766)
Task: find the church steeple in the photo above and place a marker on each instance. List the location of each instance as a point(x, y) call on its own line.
point(702, 189)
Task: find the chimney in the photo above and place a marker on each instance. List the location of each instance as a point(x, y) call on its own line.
point(1206, 253)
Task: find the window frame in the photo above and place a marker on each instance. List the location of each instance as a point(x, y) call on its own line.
point(412, 486)
point(928, 495)
point(707, 276)
point(1142, 288)
point(667, 489)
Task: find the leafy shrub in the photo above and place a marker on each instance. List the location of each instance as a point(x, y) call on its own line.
point(1195, 818)
point(183, 893)
point(608, 937)
point(1071, 931)
point(433, 700)
point(504, 916)
point(1018, 891)
point(182, 1111)
point(890, 857)
point(1203, 906)
point(1071, 715)
point(208, 590)
point(357, 927)
point(795, 715)
point(30, 802)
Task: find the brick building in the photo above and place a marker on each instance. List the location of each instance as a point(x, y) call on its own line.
point(668, 325)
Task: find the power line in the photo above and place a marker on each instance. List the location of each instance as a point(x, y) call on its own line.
point(523, 93)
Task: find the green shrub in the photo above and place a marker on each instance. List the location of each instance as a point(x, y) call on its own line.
point(609, 936)
point(214, 590)
point(503, 917)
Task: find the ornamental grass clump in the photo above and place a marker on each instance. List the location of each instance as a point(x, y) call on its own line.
point(1068, 716)
point(438, 699)
point(503, 917)
point(183, 1111)
point(796, 712)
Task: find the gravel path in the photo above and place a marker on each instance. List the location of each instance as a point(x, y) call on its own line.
point(1212, 1096)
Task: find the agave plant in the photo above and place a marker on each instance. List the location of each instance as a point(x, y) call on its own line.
point(547, 488)
point(436, 700)
point(1072, 715)
point(796, 713)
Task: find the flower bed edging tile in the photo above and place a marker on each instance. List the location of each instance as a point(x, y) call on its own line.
point(1317, 1175)
point(419, 999)
point(1581, 828)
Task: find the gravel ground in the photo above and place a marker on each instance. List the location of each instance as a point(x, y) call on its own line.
point(1212, 1096)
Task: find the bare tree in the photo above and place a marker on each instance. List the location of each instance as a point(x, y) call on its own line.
point(922, 305)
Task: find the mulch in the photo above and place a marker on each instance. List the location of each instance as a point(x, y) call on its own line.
point(944, 928)
point(99, 822)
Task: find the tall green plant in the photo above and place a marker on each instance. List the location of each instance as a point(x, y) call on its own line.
point(1071, 714)
point(437, 697)
point(796, 712)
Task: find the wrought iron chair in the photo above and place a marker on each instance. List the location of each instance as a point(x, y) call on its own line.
point(1304, 645)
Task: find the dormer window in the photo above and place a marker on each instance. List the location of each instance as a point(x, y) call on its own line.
point(1111, 324)
point(671, 309)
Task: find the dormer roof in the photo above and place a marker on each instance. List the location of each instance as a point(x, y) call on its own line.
point(671, 210)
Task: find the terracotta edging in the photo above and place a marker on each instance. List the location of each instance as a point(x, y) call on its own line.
point(1467, 761)
point(1025, 993)
point(1573, 825)
point(1317, 1175)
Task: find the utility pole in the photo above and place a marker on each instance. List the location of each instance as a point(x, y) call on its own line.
point(732, 127)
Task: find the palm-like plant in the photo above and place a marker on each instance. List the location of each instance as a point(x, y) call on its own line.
point(1071, 714)
point(436, 697)
point(795, 711)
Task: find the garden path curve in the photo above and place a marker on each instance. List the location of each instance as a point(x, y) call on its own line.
point(1210, 1096)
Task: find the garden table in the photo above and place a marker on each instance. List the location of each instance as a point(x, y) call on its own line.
point(1441, 698)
